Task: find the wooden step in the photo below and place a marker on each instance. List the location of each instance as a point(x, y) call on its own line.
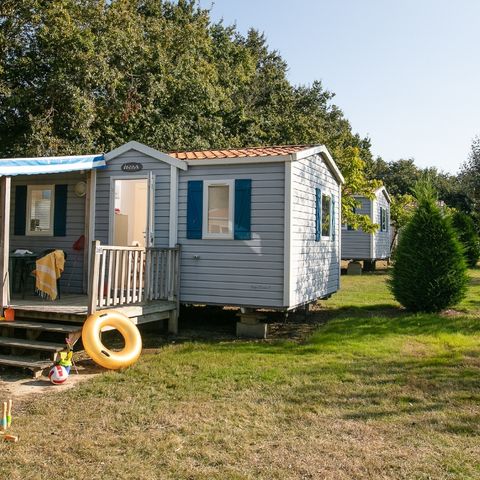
point(31, 363)
point(31, 344)
point(42, 326)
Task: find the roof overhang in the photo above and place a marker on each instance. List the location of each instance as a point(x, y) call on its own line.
point(43, 165)
point(150, 152)
point(292, 157)
point(384, 191)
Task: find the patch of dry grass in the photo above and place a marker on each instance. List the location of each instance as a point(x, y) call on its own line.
point(374, 393)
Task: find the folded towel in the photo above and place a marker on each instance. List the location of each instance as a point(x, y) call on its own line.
point(48, 270)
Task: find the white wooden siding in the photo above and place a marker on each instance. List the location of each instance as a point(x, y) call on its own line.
point(72, 278)
point(382, 239)
point(161, 171)
point(358, 245)
point(236, 272)
point(314, 265)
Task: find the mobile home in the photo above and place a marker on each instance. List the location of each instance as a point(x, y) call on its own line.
point(145, 230)
point(358, 245)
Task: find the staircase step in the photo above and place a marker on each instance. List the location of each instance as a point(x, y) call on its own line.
point(31, 344)
point(42, 326)
point(24, 362)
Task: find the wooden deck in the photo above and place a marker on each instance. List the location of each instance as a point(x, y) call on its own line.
point(74, 308)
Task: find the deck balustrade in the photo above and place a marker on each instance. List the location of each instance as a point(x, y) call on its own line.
point(122, 276)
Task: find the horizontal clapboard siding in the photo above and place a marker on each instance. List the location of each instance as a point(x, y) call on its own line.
point(314, 265)
point(161, 171)
point(237, 272)
point(382, 239)
point(72, 278)
point(357, 244)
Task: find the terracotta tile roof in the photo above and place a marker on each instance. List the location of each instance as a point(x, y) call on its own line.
point(239, 152)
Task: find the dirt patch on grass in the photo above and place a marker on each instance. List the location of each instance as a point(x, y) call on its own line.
point(415, 349)
point(17, 384)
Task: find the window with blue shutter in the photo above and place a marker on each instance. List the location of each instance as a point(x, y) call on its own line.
point(60, 211)
point(318, 214)
point(194, 209)
point(40, 210)
point(243, 210)
point(20, 219)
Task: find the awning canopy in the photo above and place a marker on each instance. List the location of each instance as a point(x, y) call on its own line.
point(39, 165)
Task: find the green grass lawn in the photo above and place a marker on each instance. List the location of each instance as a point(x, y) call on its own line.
point(374, 393)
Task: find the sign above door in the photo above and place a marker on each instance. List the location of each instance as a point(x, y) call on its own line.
point(132, 167)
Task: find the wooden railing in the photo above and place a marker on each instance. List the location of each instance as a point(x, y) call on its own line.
point(128, 275)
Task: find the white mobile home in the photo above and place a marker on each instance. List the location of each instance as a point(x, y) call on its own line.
point(145, 230)
point(369, 247)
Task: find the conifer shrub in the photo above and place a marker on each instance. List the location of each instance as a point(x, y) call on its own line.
point(429, 272)
point(468, 237)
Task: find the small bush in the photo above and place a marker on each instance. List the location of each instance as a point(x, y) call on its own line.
point(429, 272)
point(468, 237)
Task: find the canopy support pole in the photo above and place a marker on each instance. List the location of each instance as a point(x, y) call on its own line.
point(5, 187)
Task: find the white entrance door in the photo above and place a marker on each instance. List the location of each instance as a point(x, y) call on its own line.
point(132, 212)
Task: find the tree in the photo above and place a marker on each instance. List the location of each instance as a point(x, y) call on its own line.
point(78, 76)
point(398, 176)
point(468, 236)
point(429, 272)
point(402, 208)
point(469, 176)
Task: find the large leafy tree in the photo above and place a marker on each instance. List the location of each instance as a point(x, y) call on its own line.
point(469, 177)
point(87, 75)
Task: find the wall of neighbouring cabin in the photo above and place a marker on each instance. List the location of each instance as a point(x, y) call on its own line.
point(382, 239)
point(72, 278)
point(237, 272)
point(356, 244)
point(103, 208)
point(315, 270)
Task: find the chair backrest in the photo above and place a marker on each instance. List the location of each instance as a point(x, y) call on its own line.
point(51, 250)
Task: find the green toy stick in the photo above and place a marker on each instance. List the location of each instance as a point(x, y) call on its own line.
point(9, 413)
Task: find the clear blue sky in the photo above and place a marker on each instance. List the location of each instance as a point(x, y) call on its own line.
point(406, 73)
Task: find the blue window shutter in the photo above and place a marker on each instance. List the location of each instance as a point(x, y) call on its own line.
point(60, 211)
point(243, 210)
point(20, 219)
point(318, 214)
point(194, 209)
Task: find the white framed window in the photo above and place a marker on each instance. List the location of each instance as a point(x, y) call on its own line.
point(40, 206)
point(326, 216)
point(218, 198)
point(383, 220)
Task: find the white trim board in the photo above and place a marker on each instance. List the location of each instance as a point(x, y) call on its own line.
point(287, 247)
point(173, 227)
point(150, 152)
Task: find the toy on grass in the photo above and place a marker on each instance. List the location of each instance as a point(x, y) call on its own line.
point(58, 375)
point(61, 370)
point(9, 413)
point(6, 421)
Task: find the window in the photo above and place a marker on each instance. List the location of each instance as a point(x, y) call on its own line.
point(218, 209)
point(383, 220)
point(40, 202)
point(326, 215)
point(323, 215)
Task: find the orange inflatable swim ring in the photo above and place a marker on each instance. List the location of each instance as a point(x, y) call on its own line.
point(99, 353)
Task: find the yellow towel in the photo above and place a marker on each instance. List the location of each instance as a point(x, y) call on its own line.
point(48, 271)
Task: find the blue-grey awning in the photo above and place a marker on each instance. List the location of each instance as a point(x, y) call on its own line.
point(38, 165)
